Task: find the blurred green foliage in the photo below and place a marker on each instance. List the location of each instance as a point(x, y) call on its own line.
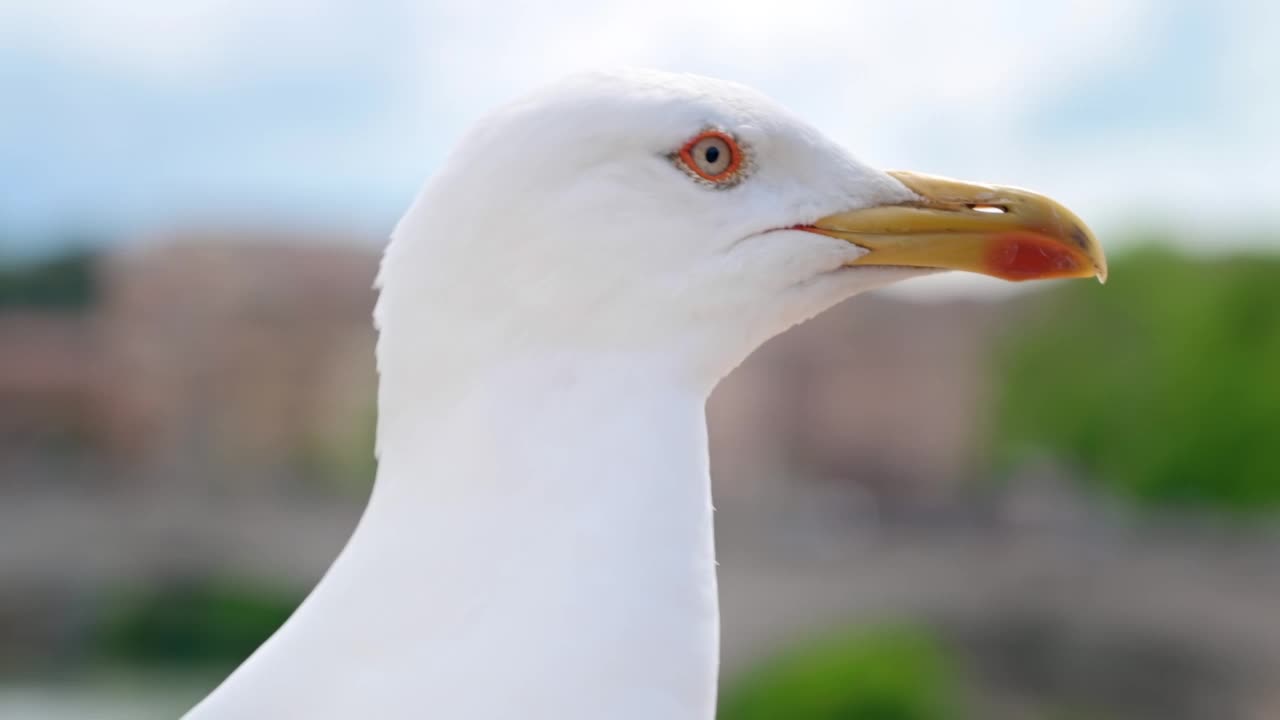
point(1164, 385)
point(896, 673)
point(194, 624)
point(64, 282)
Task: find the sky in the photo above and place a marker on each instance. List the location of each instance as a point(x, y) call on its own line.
point(124, 119)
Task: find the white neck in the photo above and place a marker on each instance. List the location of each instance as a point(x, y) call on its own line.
point(538, 546)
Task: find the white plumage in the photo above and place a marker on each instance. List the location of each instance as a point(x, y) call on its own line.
point(555, 308)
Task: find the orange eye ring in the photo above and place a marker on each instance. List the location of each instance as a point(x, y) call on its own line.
point(714, 141)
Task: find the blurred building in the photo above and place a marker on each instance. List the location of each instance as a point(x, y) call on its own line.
point(204, 359)
point(242, 354)
point(50, 389)
point(878, 393)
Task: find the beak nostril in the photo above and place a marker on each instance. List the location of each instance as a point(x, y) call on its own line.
point(988, 209)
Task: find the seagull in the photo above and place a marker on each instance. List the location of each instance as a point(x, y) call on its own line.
point(554, 309)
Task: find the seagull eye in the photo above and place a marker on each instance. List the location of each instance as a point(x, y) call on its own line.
point(713, 156)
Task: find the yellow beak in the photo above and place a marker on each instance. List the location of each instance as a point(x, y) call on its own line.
point(1000, 231)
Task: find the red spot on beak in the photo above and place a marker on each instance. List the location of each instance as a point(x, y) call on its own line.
point(1028, 256)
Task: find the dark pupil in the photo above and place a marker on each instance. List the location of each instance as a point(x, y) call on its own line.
point(713, 154)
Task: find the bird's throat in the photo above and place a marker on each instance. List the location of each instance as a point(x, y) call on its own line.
point(541, 547)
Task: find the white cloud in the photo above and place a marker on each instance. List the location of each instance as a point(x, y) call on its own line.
point(854, 66)
point(186, 41)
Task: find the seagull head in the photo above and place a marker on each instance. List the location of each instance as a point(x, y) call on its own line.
point(682, 216)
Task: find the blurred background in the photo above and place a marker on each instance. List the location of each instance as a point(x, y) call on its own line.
point(960, 499)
